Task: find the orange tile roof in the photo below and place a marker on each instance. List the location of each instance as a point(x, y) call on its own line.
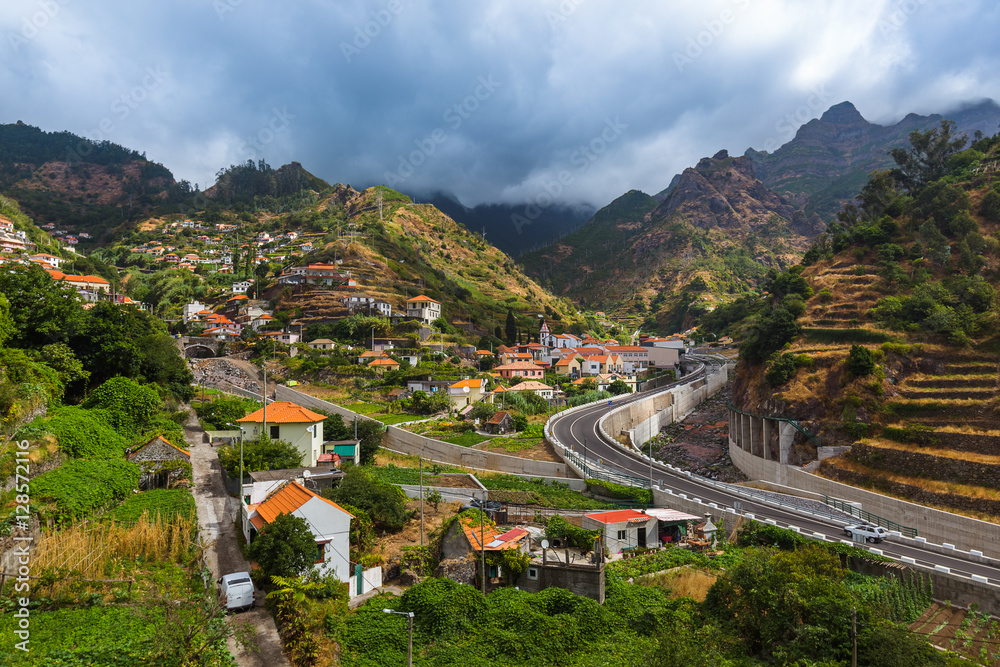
point(489, 535)
point(286, 500)
point(530, 385)
point(422, 298)
point(283, 412)
point(384, 361)
point(472, 384)
point(619, 516)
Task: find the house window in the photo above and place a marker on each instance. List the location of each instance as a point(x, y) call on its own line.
point(533, 573)
point(321, 552)
point(621, 534)
point(274, 432)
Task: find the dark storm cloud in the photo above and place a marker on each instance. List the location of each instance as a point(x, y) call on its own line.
point(511, 101)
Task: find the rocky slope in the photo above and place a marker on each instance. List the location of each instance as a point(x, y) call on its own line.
point(714, 235)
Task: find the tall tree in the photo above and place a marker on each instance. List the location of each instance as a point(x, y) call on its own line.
point(510, 328)
point(43, 310)
point(927, 158)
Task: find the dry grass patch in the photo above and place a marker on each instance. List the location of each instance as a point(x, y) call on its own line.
point(683, 581)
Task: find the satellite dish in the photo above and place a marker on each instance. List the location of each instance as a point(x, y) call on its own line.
point(465, 389)
point(545, 544)
point(306, 473)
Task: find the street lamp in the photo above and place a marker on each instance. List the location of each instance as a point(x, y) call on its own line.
point(409, 643)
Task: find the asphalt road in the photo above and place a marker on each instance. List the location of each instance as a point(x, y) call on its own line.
point(579, 430)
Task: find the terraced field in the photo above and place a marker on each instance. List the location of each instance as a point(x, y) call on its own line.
point(974, 635)
point(926, 428)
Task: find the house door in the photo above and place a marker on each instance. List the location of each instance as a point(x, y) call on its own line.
point(641, 537)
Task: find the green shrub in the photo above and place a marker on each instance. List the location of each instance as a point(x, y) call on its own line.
point(127, 405)
point(261, 454)
point(79, 488)
point(620, 491)
point(83, 434)
point(860, 361)
point(911, 433)
point(824, 296)
point(580, 538)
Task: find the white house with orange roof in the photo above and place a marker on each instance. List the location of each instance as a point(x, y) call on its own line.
point(564, 340)
point(329, 523)
point(535, 387)
point(624, 529)
point(423, 308)
point(634, 358)
point(602, 363)
point(466, 392)
point(569, 365)
point(88, 287)
point(51, 260)
point(289, 422)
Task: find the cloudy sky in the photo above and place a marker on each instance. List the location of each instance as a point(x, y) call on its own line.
point(494, 100)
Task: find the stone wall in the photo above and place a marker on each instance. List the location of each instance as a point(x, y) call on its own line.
point(917, 464)
point(934, 525)
point(582, 579)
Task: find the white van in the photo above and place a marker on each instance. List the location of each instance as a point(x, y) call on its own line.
point(236, 591)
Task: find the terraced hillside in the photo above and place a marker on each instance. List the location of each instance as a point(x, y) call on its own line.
point(897, 354)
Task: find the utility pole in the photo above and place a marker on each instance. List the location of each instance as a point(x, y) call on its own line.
point(854, 637)
point(263, 394)
point(421, 460)
point(482, 533)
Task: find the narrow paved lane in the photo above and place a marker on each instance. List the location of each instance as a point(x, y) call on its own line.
point(217, 513)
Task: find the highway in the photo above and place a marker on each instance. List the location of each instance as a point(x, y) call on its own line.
point(579, 431)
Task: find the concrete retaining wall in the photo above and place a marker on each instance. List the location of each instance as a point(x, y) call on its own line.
point(933, 525)
point(405, 442)
point(642, 420)
point(284, 393)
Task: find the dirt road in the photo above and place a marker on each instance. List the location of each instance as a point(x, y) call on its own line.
point(217, 514)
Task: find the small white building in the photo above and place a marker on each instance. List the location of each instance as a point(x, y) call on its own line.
point(624, 529)
point(423, 308)
point(192, 309)
point(329, 523)
point(242, 286)
point(466, 392)
point(289, 422)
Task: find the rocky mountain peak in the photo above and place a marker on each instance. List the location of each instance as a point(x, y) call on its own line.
point(844, 113)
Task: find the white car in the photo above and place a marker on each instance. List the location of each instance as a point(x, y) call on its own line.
point(866, 531)
point(236, 591)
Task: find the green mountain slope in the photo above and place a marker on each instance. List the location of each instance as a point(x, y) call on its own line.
point(81, 185)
